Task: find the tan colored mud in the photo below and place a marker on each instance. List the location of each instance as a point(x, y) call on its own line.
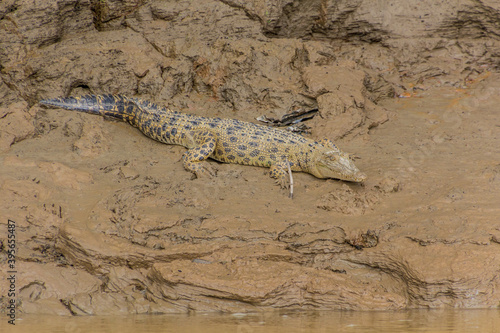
point(109, 222)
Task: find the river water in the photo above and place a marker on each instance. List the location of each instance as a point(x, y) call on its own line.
point(466, 321)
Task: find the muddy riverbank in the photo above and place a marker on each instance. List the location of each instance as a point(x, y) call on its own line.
point(109, 222)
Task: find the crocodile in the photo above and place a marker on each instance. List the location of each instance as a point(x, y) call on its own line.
point(224, 140)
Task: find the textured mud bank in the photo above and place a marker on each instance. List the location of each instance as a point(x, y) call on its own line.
point(109, 222)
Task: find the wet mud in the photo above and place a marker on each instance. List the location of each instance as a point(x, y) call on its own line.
point(109, 222)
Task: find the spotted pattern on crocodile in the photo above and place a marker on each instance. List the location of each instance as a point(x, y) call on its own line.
point(225, 140)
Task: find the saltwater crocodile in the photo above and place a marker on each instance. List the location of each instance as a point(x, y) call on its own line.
point(224, 140)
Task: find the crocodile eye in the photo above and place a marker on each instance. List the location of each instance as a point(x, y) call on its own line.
point(332, 155)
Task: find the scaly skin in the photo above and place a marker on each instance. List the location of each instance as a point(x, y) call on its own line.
point(224, 140)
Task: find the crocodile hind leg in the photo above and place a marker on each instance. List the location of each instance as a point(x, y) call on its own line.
point(194, 159)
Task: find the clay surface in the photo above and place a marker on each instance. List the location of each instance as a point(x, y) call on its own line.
point(109, 222)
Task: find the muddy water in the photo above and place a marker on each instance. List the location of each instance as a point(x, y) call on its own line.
point(483, 321)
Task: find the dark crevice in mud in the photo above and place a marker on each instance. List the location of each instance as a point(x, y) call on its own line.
point(103, 13)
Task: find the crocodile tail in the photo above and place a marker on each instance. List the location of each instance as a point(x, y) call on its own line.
point(115, 106)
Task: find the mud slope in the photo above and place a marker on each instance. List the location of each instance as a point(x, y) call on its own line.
point(108, 221)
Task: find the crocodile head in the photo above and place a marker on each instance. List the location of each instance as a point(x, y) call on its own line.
point(336, 164)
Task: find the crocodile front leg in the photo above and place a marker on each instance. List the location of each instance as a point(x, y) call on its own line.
point(279, 172)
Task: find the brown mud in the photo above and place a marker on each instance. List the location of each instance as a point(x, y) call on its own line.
point(109, 222)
